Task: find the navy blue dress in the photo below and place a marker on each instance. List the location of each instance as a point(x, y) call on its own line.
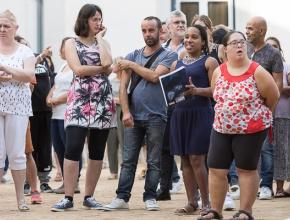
point(192, 119)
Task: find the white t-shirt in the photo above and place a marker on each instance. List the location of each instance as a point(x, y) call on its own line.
point(115, 82)
point(15, 96)
point(62, 83)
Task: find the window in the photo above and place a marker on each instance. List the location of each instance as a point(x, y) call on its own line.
point(218, 12)
point(190, 9)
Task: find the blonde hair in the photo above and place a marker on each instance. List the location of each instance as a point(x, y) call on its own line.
point(9, 15)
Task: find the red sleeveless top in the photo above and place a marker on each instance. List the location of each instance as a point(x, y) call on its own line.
point(240, 109)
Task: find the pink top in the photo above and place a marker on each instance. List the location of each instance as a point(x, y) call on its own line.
point(240, 109)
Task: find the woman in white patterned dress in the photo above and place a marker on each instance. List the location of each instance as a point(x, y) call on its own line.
point(16, 71)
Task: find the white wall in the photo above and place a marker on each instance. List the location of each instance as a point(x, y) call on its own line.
point(122, 18)
point(25, 12)
point(277, 14)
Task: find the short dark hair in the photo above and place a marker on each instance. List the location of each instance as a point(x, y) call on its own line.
point(203, 35)
point(229, 34)
point(218, 35)
point(86, 12)
point(159, 25)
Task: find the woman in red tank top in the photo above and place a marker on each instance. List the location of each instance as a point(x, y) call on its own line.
point(245, 95)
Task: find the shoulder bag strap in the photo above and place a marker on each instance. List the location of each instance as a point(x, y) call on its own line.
point(147, 65)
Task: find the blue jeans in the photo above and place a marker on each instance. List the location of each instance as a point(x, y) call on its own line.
point(58, 140)
point(133, 138)
point(267, 164)
point(233, 175)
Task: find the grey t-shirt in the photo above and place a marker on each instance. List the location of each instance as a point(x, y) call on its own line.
point(268, 57)
point(147, 98)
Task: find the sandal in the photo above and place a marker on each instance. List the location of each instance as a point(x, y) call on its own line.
point(281, 194)
point(22, 207)
point(237, 215)
point(189, 209)
point(210, 215)
point(204, 210)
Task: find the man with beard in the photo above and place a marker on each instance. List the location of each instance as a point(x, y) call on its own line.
point(269, 58)
point(144, 114)
point(170, 179)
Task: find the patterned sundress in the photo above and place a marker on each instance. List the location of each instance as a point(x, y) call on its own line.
point(90, 102)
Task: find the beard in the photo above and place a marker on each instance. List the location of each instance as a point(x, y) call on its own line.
point(150, 42)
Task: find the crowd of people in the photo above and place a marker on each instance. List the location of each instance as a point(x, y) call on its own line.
point(231, 130)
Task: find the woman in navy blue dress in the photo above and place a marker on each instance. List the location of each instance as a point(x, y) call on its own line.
point(192, 119)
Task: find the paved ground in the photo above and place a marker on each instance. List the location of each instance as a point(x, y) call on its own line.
point(277, 209)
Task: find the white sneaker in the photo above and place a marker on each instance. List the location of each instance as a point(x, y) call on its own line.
point(176, 187)
point(229, 203)
point(151, 205)
point(116, 204)
point(5, 178)
point(235, 192)
point(265, 193)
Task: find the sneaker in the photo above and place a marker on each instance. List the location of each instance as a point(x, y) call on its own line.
point(265, 193)
point(63, 205)
point(26, 189)
point(176, 187)
point(91, 203)
point(22, 206)
point(116, 204)
point(151, 205)
point(44, 187)
point(229, 203)
point(36, 198)
point(235, 192)
point(5, 178)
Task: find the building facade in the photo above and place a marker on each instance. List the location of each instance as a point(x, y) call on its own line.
point(55, 20)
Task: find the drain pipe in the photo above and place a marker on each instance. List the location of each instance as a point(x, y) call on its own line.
point(234, 14)
point(173, 5)
point(39, 25)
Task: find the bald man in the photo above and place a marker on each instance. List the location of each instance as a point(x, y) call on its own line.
point(271, 60)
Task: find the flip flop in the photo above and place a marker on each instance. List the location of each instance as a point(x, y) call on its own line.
point(210, 215)
point(282, 194)
point(189, 209)
point(237, 215)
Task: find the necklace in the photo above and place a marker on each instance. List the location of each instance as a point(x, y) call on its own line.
point(189, 60)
